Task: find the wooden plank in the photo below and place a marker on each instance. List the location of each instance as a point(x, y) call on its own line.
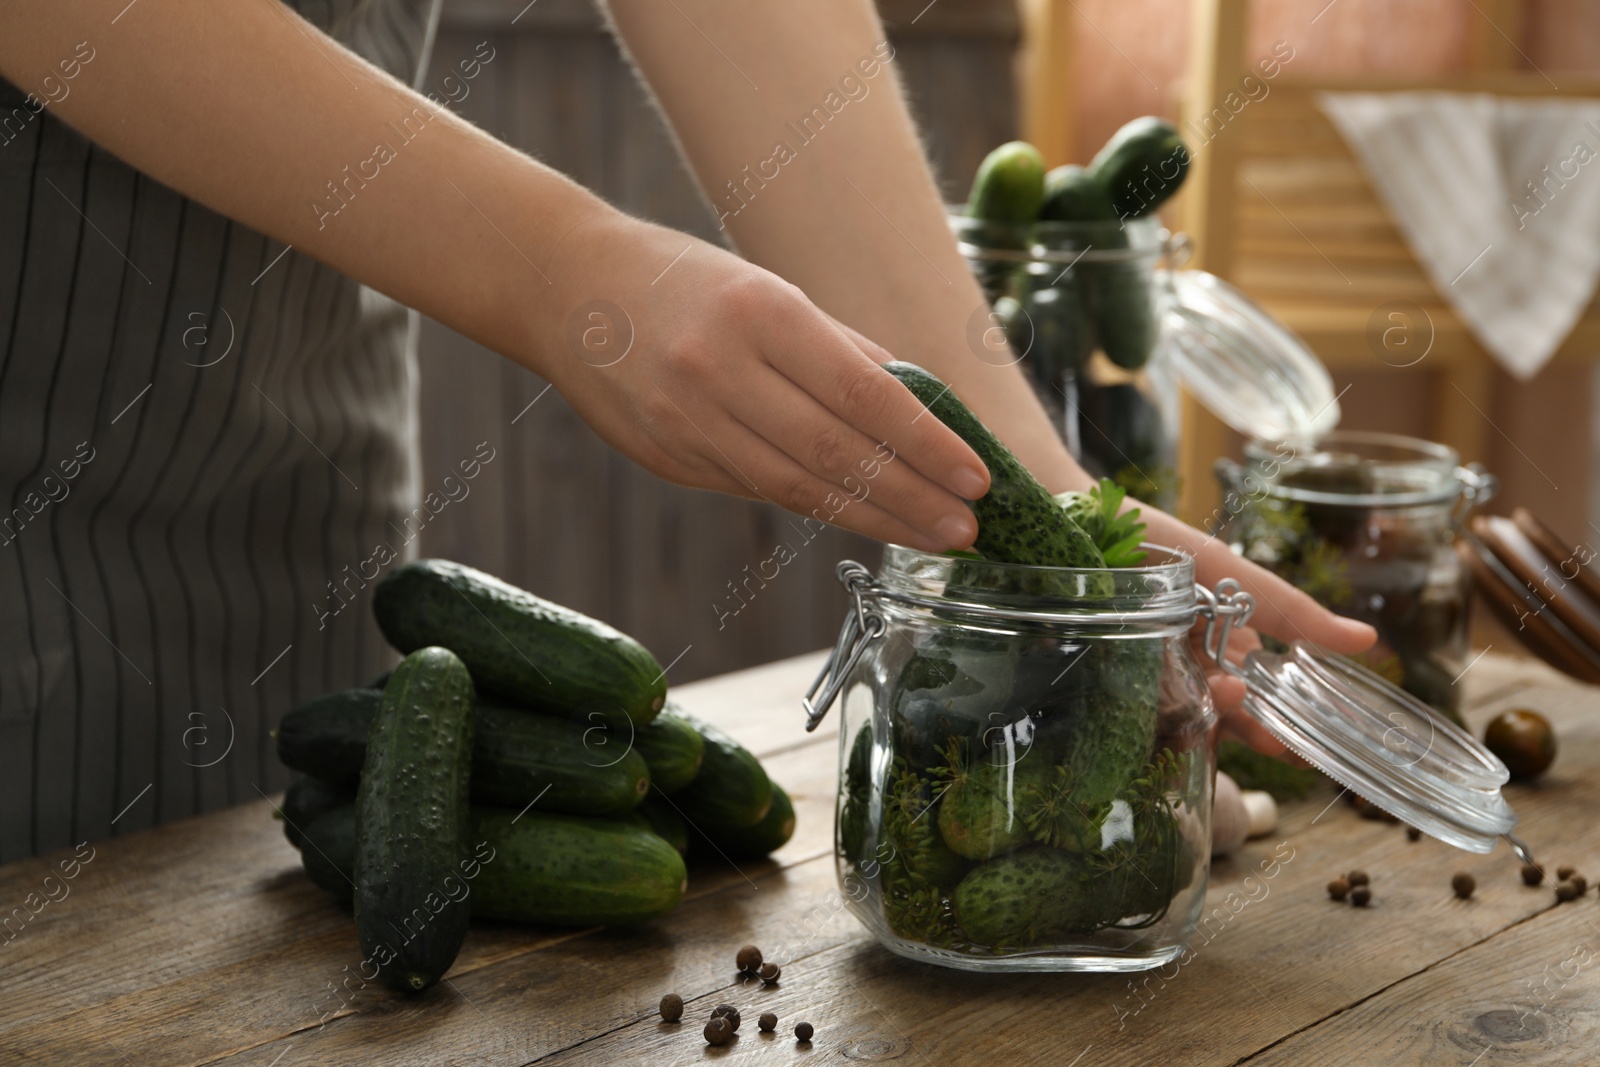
point(1046, 67)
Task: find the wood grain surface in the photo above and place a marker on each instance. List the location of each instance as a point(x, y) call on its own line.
point(201, 942)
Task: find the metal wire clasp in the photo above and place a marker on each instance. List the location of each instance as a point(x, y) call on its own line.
point(1227, 607)
point(862, 624)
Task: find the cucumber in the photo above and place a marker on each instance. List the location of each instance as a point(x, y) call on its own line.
point(1142, 165)
point(305, 799)
point(664, 820)
point(518, 646)
point(1121, 301)
point(1075, 194)
point(749, 842)
point(731, 788)
point(326, 736)
point(1062, 334)
point(1124, 438)
point(1018, 521)
point(672, 748)
point(411, 821)
point(518, 755)
point(556, 870)
point(1009, 185)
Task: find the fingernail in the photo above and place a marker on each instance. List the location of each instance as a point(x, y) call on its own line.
point(957, 531)
point(969, 483)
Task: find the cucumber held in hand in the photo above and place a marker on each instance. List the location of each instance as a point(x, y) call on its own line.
point(518, 755)
point(525, 649)
point(672, 748)
point(556, 870)
point(1018, 521)
point(411, 821)
point(1142, 165)
point(731, 788)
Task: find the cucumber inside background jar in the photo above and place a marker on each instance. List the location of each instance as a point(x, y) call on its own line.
point(1080, 304)
point(1366, 524)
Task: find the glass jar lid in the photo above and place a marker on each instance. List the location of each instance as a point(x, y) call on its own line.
point(1371, 736)
point(1246, 367)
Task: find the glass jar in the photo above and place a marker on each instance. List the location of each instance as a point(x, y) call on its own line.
point(1080, 304)
point(1025, 776)
point(1366, 524)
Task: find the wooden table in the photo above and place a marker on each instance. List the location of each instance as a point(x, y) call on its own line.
point(201, 942)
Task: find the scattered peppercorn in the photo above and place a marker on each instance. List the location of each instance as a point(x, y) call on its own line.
point(748, 959)
point(770, 973)
point(1339, 888)
point(1360, 896)
point(1532, 874)
point(718, 1032)
point(672, 1007)
point(803, 1031)
point(1581, 882)
point(1565, 872)
point(728, 1012)
point(1463, 884)
point(768, 1022)
point(1413, 834)
point(1358, 878)
point(1566, 891)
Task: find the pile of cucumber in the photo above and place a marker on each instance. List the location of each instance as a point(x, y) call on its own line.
point(1056, 316)
point(521, 764)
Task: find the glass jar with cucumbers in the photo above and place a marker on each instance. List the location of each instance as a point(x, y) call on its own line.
point(1068, 261)
point(1024, 755)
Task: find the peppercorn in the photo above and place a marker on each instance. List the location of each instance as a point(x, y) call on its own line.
point(803, 1031)
point(671, 1007)
point(1532, 874)
point(728, 1012)
point(718, 1032)
point(1339, 888)
point(1581, 882)
point(1463, 884)
point(748, 959)
point(770, 972)
point(1566, 891)
point(768, 1022)
point(1565, 872)
point(1356, 878)
point(1413, 834)
point(1360, 896)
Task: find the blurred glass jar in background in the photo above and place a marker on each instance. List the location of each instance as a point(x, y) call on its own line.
point(1366, 523)
point(1081, 305)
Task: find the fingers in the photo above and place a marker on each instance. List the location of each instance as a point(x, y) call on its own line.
point(763, 471)
point(849, 462)
point(1281, 610)
point(822, 360)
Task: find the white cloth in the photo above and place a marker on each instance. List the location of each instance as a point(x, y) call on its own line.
point(1517, 262)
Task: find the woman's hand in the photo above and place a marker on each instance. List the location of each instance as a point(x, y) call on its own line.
point(714, 373)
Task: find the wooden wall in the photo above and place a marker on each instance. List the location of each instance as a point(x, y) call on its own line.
point(558, 511)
